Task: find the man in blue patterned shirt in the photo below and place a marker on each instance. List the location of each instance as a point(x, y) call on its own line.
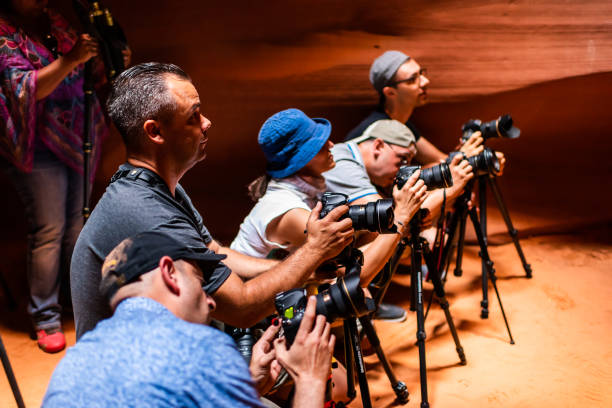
point(158, 350)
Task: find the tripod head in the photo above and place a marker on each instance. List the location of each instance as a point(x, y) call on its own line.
point(99, 23)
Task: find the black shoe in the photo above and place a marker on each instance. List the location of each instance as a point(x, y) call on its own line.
point(390, 313)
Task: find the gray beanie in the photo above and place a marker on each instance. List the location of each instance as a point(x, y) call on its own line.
point(384, 68)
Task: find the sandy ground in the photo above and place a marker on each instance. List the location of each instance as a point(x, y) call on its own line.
point(560, 319)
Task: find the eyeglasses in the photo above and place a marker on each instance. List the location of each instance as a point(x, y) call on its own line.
point(412, 79)
point(405, 158)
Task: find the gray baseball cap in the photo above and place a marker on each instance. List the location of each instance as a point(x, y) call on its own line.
point(384, 68)
point(389, 130)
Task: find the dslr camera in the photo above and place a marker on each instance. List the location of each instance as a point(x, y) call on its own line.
point(438, 176)
point(484, 163)
point(342, 300)
point(376, 216)
point(500, 127)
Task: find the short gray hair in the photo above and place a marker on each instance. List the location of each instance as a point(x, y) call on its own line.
point(138, 94)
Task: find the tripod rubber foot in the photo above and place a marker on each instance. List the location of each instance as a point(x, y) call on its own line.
point(484, 314)
point(528, 271)
point(512, 342)
point(401, 392)
point(424, 404)
point(461, 356)
point(458, 272)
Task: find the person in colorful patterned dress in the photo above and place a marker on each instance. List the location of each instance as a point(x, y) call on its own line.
point(41, 127)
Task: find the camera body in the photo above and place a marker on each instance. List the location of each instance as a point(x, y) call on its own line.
point(438, 176)
point(246, 338)
point(341, 300)
point(376, 216)
point(500, 127)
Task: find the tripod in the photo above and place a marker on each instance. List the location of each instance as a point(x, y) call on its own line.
point(10, 376)
point(100, 25)
point(458, 220)
point(380, 284)
point(352, 344)
point(491, 180)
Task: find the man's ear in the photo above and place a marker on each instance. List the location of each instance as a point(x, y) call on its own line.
point(152, 129)
point(169, 274)
point(389, 91)
point(378, 146)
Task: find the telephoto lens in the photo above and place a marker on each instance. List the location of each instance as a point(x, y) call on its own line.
point(500, 127)
point(342, 300)
point(376, 216)
point(438, 176)
point(485, 163)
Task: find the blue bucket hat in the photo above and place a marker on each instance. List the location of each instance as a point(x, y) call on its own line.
point(290, 139)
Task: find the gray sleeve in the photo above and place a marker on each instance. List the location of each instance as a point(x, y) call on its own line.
point(349, 177)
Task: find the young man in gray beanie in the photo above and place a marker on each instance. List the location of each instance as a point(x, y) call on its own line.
point(401, 84)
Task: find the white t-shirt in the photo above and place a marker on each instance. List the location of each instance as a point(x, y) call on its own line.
point(281, 195)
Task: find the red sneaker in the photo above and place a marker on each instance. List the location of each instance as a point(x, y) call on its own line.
point(51, 340)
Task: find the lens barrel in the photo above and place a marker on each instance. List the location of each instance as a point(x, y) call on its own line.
point(438, 176)
point(376, 216)
point(485, 163)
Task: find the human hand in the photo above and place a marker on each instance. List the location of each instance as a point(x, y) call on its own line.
point(502, 162)
point(327, 237)
point(473, 146)
point(409, 198)
point(84, 49)
point(308, 361)
point(264, 368)
point(462, 173)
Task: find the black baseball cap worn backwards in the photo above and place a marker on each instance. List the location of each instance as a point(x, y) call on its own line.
point(141, 253)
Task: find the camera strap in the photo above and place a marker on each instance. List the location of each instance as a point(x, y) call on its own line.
point(440, 228)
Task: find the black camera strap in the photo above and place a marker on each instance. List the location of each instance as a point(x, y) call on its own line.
point(436, 253)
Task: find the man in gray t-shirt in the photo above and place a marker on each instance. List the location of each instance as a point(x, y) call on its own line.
point(156, 108)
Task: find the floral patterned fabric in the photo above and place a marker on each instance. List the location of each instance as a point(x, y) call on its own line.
point(55, 122)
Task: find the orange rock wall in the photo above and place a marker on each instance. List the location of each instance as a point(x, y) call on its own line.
point(546, 62)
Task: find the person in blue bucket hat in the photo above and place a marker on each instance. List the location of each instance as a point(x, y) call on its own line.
point(298, 151)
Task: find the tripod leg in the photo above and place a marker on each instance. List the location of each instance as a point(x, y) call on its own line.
point(350, 365)
point(11, 377)
point(399, 387)
point(416, 282)
point(359, 364)
point(482, 203)
point(441, 295)
point(491, 272)
point(460, 242)
point(511, 230)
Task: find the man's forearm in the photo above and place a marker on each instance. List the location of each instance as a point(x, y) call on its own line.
point(309, 394)
point(433, 202)
point(376, 255)
point(243, 304)
point(247, 267)
point(427, 153)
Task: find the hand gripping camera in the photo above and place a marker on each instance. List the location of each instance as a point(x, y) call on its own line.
point(342, 300)
point(484, 163)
